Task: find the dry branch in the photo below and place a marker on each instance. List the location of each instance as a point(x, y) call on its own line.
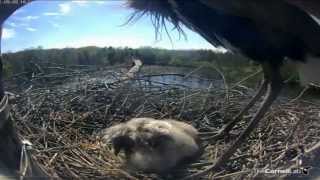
point(62, 122)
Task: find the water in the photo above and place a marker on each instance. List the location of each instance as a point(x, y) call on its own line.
point(182, 81)
point(197, 81)
point(163, 77)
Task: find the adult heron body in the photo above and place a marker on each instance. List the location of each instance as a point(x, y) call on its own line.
point(267, 32)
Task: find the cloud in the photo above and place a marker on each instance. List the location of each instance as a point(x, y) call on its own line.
point(31, 29)
point(23, 24)
point(64, 8)
point(55, 25)
point(12, 24)
point(28, 18)
point(51, 14)
point(8, 33)
point(25, 18)
point(86, 2)
point(102, 42)
point(100, 2)
point(80, 2)
point(129, 41)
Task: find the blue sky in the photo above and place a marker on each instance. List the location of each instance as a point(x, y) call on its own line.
point(59, 24)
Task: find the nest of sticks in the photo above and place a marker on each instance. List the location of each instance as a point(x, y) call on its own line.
point(62, 123)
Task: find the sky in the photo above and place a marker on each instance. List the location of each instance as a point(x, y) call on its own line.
point(59, 24)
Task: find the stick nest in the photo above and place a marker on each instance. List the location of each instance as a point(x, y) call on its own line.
point(62, 122)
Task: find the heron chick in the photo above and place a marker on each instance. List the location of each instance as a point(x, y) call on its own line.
point(152, 145)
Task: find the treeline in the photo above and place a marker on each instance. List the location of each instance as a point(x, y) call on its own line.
point(33, 61)
point(29, 60)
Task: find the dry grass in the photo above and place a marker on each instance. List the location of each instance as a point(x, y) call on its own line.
point(62, 123)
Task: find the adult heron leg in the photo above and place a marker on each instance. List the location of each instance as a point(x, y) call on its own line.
point(10, 146)
point(274, 85)
point(227, 128)
point(1, 68)
point(13, 158)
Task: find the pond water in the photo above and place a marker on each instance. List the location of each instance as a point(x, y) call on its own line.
point(182, 81)
point(156, 76)
point(181, 77)
point(162, 77)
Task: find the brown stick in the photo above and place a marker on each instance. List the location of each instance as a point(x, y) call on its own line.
point(272, 75)
point(225, 130)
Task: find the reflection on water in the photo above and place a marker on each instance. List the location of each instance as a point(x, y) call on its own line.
point(172, 80)
point(175, 78)
point(288, 93)
point(181, 81)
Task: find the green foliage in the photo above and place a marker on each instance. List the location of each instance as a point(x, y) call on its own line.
point(234, 67)
point(176, 62)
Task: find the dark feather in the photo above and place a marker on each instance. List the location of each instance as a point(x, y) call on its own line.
point(262, 30)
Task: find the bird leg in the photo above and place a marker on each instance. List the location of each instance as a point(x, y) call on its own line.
point(10, 145)
point(227, 128)
point(1, 66)
point(274, 85)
